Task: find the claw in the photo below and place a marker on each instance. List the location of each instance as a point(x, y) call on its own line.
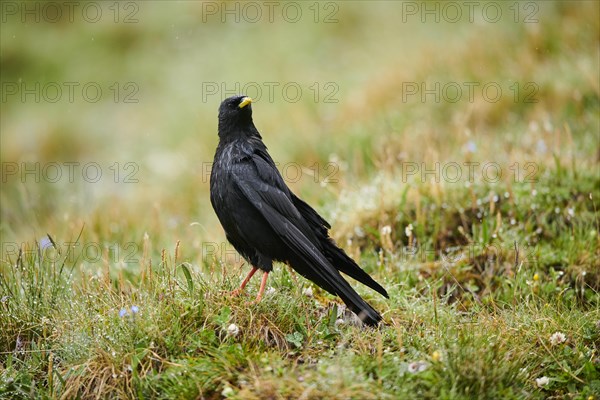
point(263, 285)
point(239, 290)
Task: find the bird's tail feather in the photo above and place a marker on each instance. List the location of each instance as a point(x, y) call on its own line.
point(359, 306)
point(337, 285)
point(311, 263)
point(336, 256)
point(345, 264)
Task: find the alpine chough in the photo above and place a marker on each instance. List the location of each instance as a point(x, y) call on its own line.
point(266, 222)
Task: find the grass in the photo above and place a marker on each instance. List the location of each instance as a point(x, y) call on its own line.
point(117, 289)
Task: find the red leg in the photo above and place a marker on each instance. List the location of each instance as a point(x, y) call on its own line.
point(244, 282)
point(263, 285)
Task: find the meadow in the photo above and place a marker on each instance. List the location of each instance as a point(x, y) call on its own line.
point(453, 146)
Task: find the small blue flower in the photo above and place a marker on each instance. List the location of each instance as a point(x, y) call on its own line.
point(135, 309)
point(45, 243)
point(541, 147)
point(123, 312)
point(471, 147)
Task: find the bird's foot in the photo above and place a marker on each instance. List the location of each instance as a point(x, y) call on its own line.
point(253, 302)
point(263, 285)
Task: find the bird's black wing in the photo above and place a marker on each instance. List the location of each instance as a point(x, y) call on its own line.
point(314, 227)
point(264, 188)
point(334, 254)
point(258, 181)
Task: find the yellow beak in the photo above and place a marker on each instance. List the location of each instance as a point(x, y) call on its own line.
point(245, 102)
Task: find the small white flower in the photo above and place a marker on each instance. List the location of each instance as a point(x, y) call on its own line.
point(359, 232)
point(270, 290)
point(534, 126)
point(557, 338)
point(307, 291)
point(233, 330)
point(417, 366)
point(543, 381)
point(408, 230)
point(386, 230)
point(227, 391)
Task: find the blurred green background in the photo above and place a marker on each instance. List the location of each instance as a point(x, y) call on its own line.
point(108, 127)
point(163, 68)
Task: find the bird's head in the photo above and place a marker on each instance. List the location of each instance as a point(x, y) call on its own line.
point(235, 111)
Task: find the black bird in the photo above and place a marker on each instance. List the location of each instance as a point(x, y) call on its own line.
point(266, 222)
